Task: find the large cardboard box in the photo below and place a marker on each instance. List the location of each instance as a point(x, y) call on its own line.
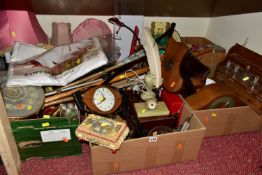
point(151, 151)
point(229, 120)
point(243, 118)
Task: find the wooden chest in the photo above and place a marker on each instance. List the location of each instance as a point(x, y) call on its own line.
point(242, 72)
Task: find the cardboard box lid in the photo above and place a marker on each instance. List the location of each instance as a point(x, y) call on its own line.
point(203, 42)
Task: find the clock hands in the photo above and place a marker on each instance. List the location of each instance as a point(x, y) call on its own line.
point(100, 102)
point(101, 99)
point(103, 95)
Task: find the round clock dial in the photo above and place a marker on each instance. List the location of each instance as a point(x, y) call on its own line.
point(102, 99)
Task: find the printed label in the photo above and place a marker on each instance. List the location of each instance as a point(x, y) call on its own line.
point(152, 139)
point(55, 135)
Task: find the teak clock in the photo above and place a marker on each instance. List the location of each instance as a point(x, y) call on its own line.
point(102, 99)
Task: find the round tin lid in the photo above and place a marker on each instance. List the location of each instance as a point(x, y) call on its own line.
point(22, 101)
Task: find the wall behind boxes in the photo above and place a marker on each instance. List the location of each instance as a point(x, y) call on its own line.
point(227, 30)
point(186, 26)
point(224, 31)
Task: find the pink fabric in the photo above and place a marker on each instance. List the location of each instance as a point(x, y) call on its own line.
point(61, 33)
point(20, 26)
point(90, 28)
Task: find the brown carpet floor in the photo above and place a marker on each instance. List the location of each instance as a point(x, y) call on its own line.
point(236, 154)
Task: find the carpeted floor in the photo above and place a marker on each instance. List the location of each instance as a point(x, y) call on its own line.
point(238, 154)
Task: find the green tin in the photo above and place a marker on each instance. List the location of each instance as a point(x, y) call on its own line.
point(46, 137)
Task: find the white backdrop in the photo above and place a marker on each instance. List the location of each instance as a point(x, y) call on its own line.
point(224, 31)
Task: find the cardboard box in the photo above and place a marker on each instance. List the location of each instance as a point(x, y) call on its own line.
point(229, 120)
point(243, 118)
point(152, 151)
point(209, 58)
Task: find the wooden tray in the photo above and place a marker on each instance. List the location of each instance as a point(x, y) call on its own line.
point(241, 72)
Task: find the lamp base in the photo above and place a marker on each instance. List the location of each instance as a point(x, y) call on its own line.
point(143, 111)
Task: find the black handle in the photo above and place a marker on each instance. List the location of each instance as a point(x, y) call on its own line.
point(79, 101)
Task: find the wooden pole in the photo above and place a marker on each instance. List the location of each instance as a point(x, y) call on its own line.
point(8, 148)
point(67, 96)
point(132, 58)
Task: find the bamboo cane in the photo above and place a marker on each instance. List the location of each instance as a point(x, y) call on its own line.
point(70, 92)
point(136, 56)
point(58, 101)
point(49, 101)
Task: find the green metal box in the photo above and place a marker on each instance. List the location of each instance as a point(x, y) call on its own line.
point(46, 138)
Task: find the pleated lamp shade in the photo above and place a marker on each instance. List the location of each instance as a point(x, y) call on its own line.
point(61, 34)
point(20, 25)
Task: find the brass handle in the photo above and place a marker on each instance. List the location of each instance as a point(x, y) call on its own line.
point(29, 144)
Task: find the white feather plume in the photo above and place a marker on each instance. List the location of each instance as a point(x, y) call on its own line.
point(153, 58)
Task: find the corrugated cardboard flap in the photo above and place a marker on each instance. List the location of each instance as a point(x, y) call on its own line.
point(229, 120)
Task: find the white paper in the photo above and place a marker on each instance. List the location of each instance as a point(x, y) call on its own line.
point(56, 67)
point(22, 51)
point(124, 36)
point(55, 135)
point(210, 81)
